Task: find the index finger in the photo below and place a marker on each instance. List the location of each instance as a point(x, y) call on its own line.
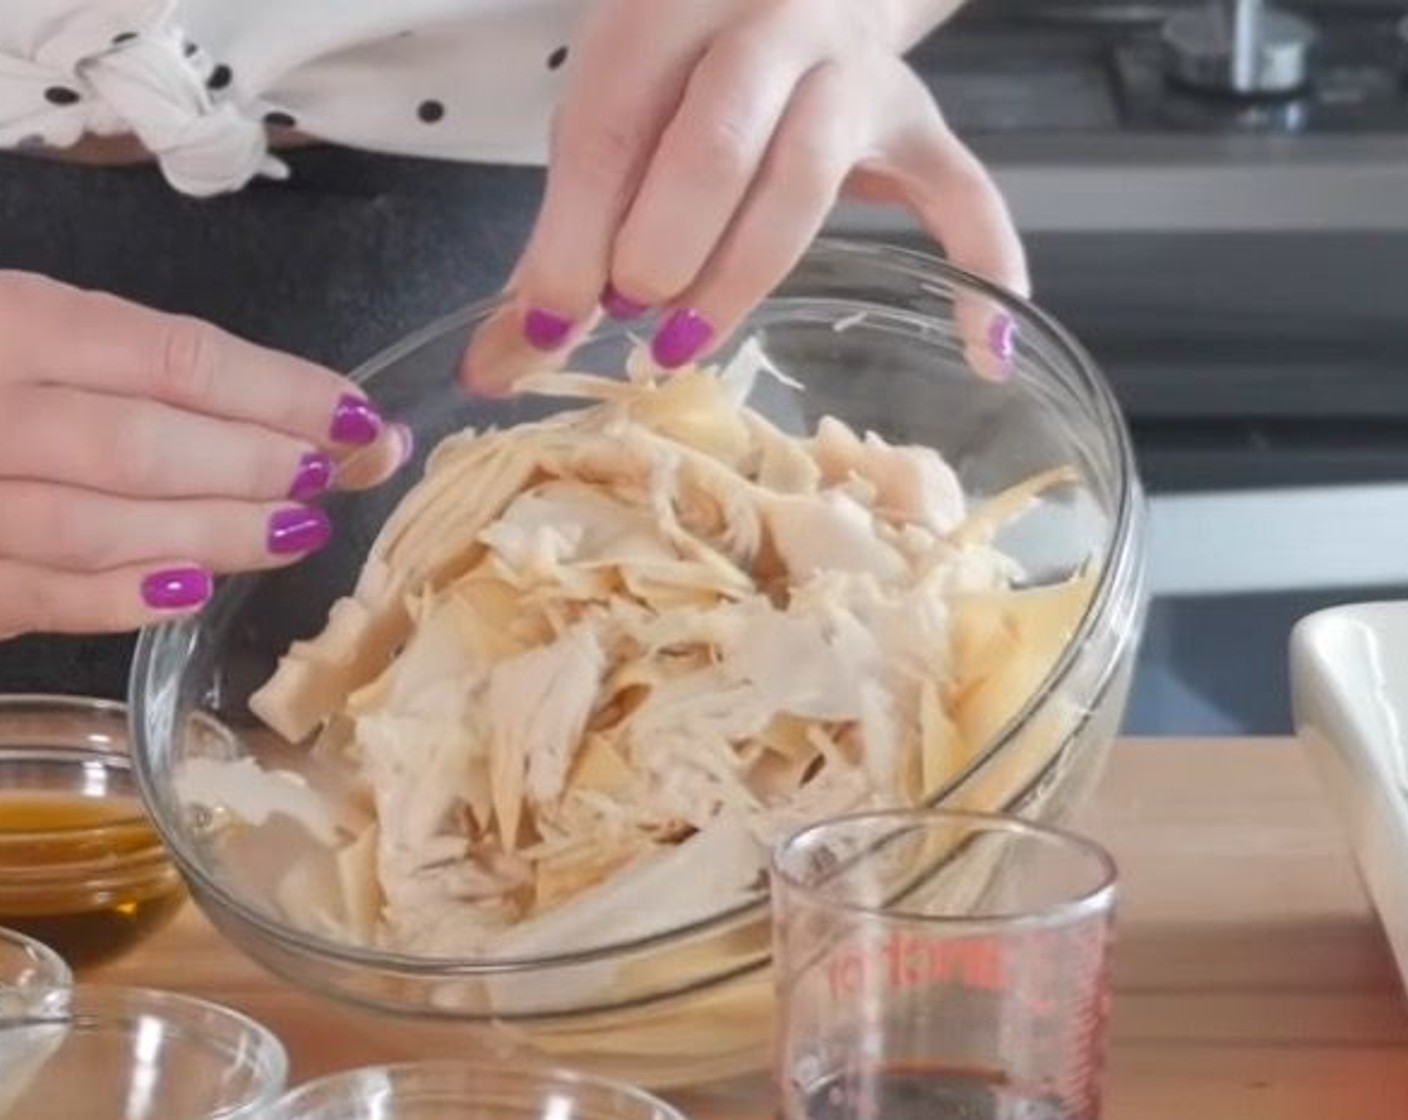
point(629, 74)
point(58, 334)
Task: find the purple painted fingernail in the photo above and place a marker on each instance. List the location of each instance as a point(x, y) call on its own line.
point(621, 307)
point(355, 420)
point(1002, 338)
point(176, 589)
point(545, 329)
point(314, 476)
point(299, 529)
point(680, 338)
point(407, 440)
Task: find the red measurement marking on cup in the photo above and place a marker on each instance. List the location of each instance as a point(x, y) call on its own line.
point(908, 960)
point(1044, 965)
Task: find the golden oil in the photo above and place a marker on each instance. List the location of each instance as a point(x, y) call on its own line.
point(85, 875)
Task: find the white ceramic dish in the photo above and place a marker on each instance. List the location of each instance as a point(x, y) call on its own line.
point(1349, 690)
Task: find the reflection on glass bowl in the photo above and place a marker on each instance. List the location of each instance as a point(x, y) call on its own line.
point(34, 985)
point(32, 976)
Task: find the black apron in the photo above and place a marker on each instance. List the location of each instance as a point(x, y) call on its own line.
point(351, 254)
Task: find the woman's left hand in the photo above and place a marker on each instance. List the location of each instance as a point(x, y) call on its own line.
point(698, 151)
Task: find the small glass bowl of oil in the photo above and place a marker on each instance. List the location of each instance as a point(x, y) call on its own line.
point(81, 868)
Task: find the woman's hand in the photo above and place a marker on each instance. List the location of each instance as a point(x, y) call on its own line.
point(697, 153)
point(142, 453)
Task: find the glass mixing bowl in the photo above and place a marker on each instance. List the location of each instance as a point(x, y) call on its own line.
point(871, 336)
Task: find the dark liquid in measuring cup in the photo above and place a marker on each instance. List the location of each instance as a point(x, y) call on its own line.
point(931, 1094)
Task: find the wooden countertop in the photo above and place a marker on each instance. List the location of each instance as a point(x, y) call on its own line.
point(1252, 980)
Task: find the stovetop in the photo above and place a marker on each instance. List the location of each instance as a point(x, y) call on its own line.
point(1100, 69)
point(1237, 266)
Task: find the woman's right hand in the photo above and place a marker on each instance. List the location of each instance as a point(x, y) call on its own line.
point(143, 453)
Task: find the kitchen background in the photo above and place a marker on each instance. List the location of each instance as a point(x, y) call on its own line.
point(1238, 264)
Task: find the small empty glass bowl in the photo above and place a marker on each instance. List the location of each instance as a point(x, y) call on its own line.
point(33, 978)
point(81, 867)
point(136, 1054)
point(34, 984)
point(460, 1091)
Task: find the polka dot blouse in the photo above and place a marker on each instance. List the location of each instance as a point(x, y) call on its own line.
point(200, 82)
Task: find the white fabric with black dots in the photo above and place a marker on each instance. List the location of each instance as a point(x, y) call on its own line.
point(198, 81)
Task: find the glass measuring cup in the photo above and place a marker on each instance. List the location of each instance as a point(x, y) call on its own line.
point(936, 965)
